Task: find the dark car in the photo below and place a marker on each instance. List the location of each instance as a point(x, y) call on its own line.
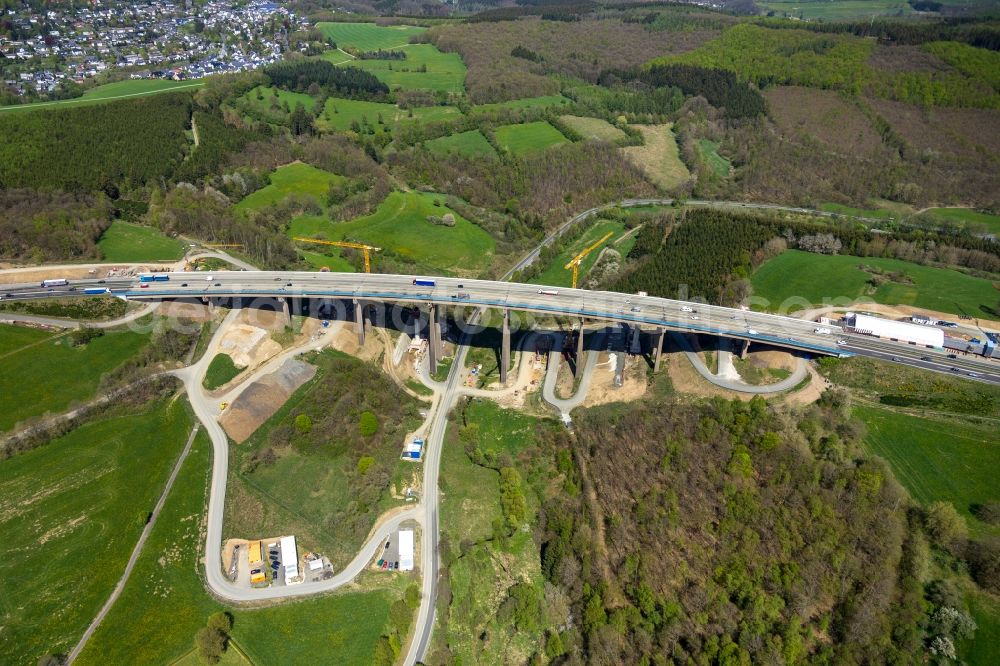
point(101, 281)
point(254, 572)
point(926, 358)
point(954, 369)
point(272, 552)
point(952, 356)
point(184, 284)
point(288, 284)
point(217, 284)
point(277, 279)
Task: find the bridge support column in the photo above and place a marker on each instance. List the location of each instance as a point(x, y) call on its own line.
point(579, 345)
point(359, 321)
point(661, 333)
point(505, 348)
point(286, 310)
point(433, 339)
point(743, 348)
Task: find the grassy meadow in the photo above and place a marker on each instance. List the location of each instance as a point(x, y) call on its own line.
point(815, 277)
point(110, 92)
point(220, 371)
point(72, 511)
point(710, 153)
point(295, 178)
point(594, 128)
point(659, 156)
point(340, 114)
point(968, 218)
point(526, 138)
point(938, 458)
point(127, 242)
point(61, 374)
point(543, 101)
point(368, 36)
point(425, 68)
point(466, 144)
point(400, 226)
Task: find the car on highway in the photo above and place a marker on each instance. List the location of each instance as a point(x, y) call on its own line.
point(751, 331)
point(101, 281)
point(288, 284)
point(896, 359)
point(973, 374)
point(217, 284)
point(954, 369)
point(685, 308)
point(209, 278)
point(184, 284)
point(636, 308)
point(277, 279)
point(952, 355)
point(926, 358)
point(694, 317)
point(842, 341)
point(141, 286)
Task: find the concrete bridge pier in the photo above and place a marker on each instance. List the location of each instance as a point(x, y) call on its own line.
point(579, 345)
point(505, 348)
point(661, 333)
point(743, 348)
point(359, 321)
point(433, 339)
point(286, 310)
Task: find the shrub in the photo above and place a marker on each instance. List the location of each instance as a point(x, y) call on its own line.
point(944, 524)
point(303, 423)
point(83, 335)
point(365, 463)
point(211, 643)
point(368, 424)
point(984, 564)
point(988, 512)
point(413, 596)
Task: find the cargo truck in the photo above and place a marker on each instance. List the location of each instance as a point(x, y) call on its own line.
point(423, 282)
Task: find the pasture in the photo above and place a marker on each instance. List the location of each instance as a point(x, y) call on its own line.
point(368, 36)
point(967, 218)
point(594, 128)
point(400, 226)
point(802, 278)
point(295, 178)
point(341, 114)
point(524, 103)
point(220, 371)
point(659, 157)
point(70, 514)
point(938, 458)
point(61, 374)
point(525, 138)
point(110, 92)
point(126, 242)
point(836, 10)
point(273, 104)
point(464, 144)
point(425, 68)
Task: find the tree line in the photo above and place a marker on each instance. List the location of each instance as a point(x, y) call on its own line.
point(298, 74)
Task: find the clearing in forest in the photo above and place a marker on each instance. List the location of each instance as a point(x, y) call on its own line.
point(465, 144)
point(368, 36)
point(594, 128)
point(529, 137)
point(659, 157)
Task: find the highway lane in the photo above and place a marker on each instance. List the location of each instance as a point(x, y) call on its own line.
point(673, 314)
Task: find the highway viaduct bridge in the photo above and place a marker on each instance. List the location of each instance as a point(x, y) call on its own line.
point(433, 294)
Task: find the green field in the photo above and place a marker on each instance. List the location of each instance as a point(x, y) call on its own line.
point(840, 209)
point(60, 374)
point(984, 649)
point(466, 144)
point(710, 153)
point(557, 276)
point(968, 219)
point(425, 68)
point(938, 458)
point(836, 10)
point(164, 602)
point(803, 278)
point(400, 226)
point(339, 114)
point(529, 137)
point(71, 513)
point(220, 371)
point(594, 128)
point(524, 103)
point(268, 103)
point(127, 242)
point(295, 178)
point(368, 36)
point(112, 91)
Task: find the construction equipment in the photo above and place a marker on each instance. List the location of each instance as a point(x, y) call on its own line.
point(366, 249)
point(575, 262)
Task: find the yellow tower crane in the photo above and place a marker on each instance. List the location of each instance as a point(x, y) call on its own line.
point(575, 262)
point(366, 249)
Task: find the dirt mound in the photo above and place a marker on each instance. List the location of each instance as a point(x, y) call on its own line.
point(259, 401)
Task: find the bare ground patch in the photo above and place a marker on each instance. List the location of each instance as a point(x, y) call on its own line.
point(259, 401)
point(659, 157)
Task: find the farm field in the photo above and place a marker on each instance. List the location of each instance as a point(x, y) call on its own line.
point(938, 458)
point(296, 178)
point(809, 278)
point(710, 153)
point(967, 217)
point(400, 226)
point(425, 68)
point(466, 144)
point(840, 209)
point(524, 103)
point(836, 10)
point(557, 276)
point(72, 511)
point(339, 114)
point(594, 128)
point(61, 374)
point(659, 157)
point(127, 242)
point(111, 91)
point(985, 647)
point(368, 36)
point(529, 137)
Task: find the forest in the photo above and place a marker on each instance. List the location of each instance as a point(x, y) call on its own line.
point(300, 73)
point(89, 148)
point(51, 225)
